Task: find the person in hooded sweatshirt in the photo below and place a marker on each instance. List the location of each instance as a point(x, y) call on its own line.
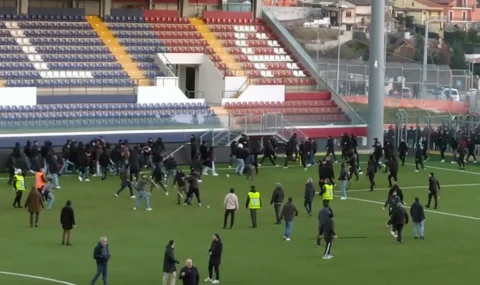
point(277, 200)
point(371, 170)
point(419, 157)
point(434, 190)
point(193, 189)
point(125, 182)
point(134, 164)
point(104, 162)
point(392, 200)
point(215, 252)
point(418, 217)
point(157, 179)
point(142, 193)
point(399, 220)
point(392, 167)
point(344, 178)
point(288, 214)
point(326, 228)
point(402, 151)
point(308, 196)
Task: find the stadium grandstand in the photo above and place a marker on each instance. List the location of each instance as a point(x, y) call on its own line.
point(207, 69)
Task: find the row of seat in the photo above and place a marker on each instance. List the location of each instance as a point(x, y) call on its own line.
point(49, 18)
point(236, 28)
point(158, 49)
point(55, 49)
point(150, 27)
point(61, 66)
point(71, 83)
point(250, 43)
point(264, 58)
point(128, 19)
point(158, 42)
point(103, 114)
point(284, 104)
point(285, 81)
point(232, 21)
point(275, 73)
point(48, 26)
point(303, 118)
point(258, 51)
point(271, 66)
point(14, 58)
point(54, 33)
point(104, 107)
point(289, 111)
point(244, 36)
point(52, 42)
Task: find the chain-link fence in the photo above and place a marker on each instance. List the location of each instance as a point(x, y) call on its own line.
point(353, 78)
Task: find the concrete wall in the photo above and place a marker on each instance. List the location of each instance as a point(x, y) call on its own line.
point(292, 13)
point(328, 45)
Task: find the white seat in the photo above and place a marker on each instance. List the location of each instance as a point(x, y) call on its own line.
point(38, 57)
point(19, 41)
point(294, 65)
point(75, 74)
point(263, 73)
point(26, 41)
point(43, 74)
point(63, 74)
point(31, 57)
point(8, 25)
point(243, 36)
point(275, 50)
point(69, 74)
point(236, 28)
point(88, 74)
point(288, 58)
point(48, 74)
point(252, 29)
point(251, 58)
point(82, 74)
point(270, 43)
point(263, 66)
point(44, 66)
point(278, 58)
point(301, 73)
point(14, 25)
point(25, 49)
point(244, 43)
point(238, 43)
point(55, 74)
point(32, 49)
point(250, 51)
point(269, 73)
point(257, 65)
point(244, 50)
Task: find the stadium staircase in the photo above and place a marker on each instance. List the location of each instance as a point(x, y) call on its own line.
point(117, 50)
point(217, 46)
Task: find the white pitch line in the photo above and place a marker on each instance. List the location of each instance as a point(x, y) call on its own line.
point(36, 277)
point(447, 169)
point(426, 210)
point(411, 187)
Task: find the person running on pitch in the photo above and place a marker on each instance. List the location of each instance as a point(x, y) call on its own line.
point(180, 183)
point(402, 151)
point(125, 176)
point(47, 192)
point(392, 167)
point(371, 170)
point(142, 193)
point(193, 189)
point(434, 188)
point(419, 156)
point(461, 157)
point(157, 179)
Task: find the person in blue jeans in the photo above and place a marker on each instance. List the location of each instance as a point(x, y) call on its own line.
point(418, 217)
point(289, 212)
point(101, 254)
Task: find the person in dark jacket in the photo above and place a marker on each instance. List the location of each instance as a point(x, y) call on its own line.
point(399, 220)
point(354, 148)
point(288, 213)
point(371, 170)
point(125, 182)
point(313, 151)
point(277, 200)
point(326, 228)
point(134, 163)
point(419, 157)
point(345, 144)
point(53, 169)
point(308, 196)
point(171, 168)
point(289, 151)
point(180, 183)
point(189, 274)
point(169, 264)
point(344, 178)
point(67, 220)
point(418, 217)
point(461, 157)
point(402, 151)
point(193, 147)
point(352, 161)
point(215, 252)
point(331, 148)
point(395, 196)
point(11, 166)
point(377, 153)
point(104, 162)
point(193, 189)
point(157, 179)
point(101, 254)
point(454, 147)
point(392, 167)
point(434, 190)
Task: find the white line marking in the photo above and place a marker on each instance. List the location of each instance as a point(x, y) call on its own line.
point(411, 187)
point(426, 210)
point(36, 277)
point(447, 169)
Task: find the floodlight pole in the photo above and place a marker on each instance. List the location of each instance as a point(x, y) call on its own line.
point(425, 53)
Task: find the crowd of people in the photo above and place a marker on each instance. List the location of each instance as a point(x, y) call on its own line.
point(98, 158)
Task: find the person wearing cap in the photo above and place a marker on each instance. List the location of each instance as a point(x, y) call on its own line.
point(215, 253)
point(189, 274)
point(434, 188)
point(169, 264)
point(142, 193)
point(231, 206)
point(399, 219)
point(19, 187)
point(254, 204)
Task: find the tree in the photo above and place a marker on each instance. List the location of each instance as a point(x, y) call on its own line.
point(419, 42)
point(458, 57)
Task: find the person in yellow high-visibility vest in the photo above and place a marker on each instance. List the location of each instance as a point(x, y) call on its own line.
point(254, 204)
point(19, 186)
point(327, 193)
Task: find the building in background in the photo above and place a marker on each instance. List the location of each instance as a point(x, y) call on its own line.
point(421, 11)
point(460, 13)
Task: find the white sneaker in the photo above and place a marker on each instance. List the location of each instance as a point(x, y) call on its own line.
point(208, 280)
point(287, 239)
point(88, 180)
point(327, 257)
point(58, 187)
point(116, 195)
point(215, 174)
point(215, 281)
point(199, 181)
point(416, 170)
point(276, 165)
point(165, 185)
point(343, 198)
point(285, 167)
point(205, 173)
point(305, 169)
point(199, 204)
point(166, 193)
point(394, 234)
point(259, 165)
point(453, 162)
point(443, 160)
point(80, 179)
point(308, 165)
point(134, 208)
point(132, 197)
point(94, 175)
point(184, 204)
point(149, 209)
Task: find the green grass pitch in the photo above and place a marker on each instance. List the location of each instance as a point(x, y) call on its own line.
point(448, 255)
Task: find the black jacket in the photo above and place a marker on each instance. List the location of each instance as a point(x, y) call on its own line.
point(216, 250)
point(403, 148)
point(170, 163)
point(433, 185)
point(192, 182)
point(179, 179)
point(277, 196)
point(101, 254)
point(169, 261)
point(397, 189)
point(399, 216)
point(191, 276)
point(309, 192)
point(417, 212)
point(67, 217)
point(392, 165)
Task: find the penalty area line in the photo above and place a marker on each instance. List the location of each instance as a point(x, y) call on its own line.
point(36, 277)
point(426, 210)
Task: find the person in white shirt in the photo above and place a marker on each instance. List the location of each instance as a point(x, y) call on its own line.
point(231, 205)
